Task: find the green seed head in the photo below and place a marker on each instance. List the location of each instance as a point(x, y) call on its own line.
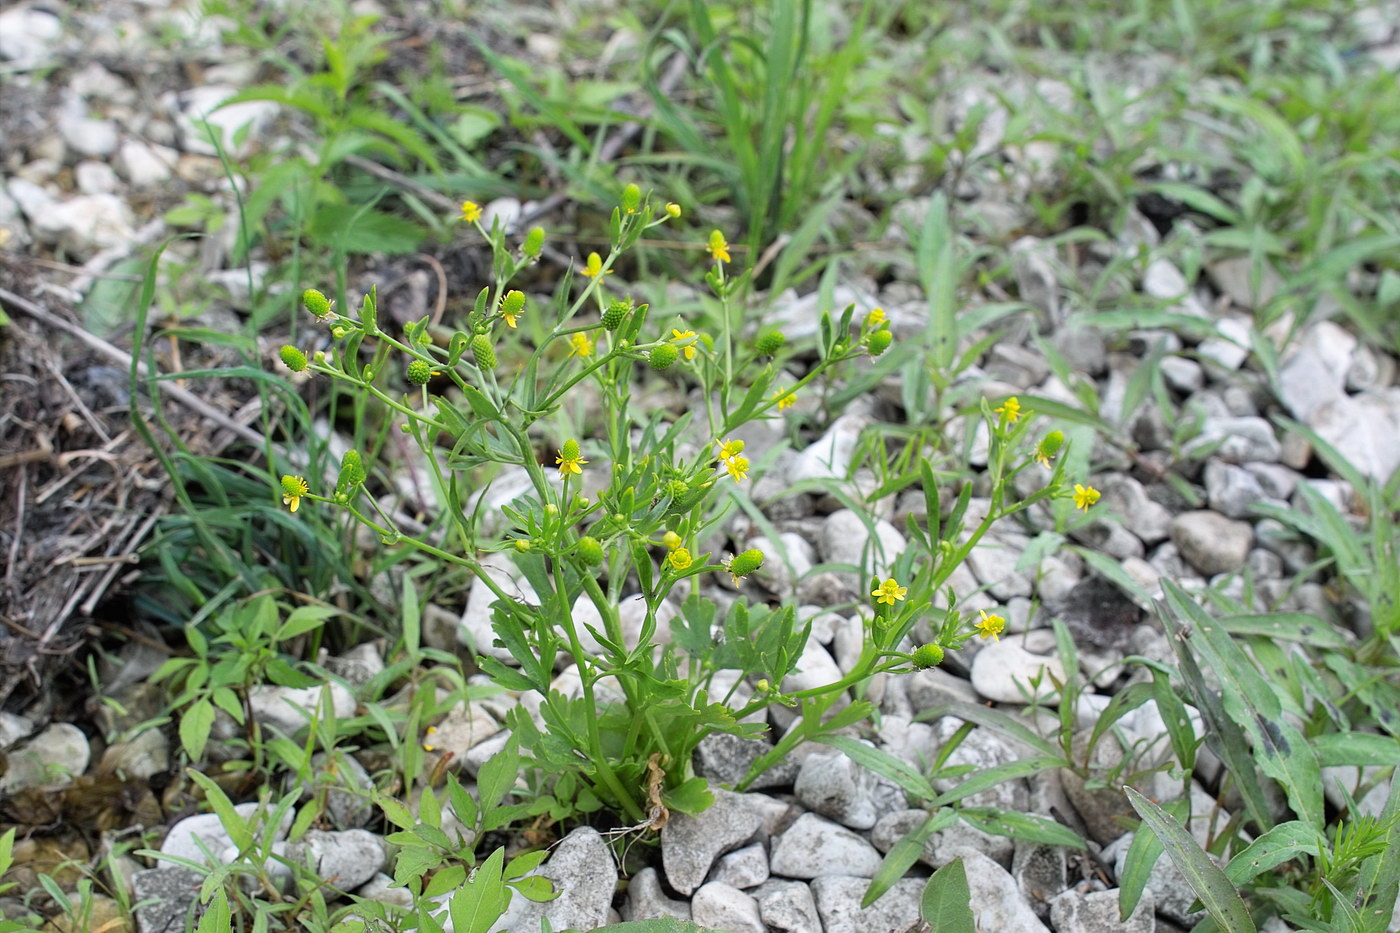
point(663, 356)
point(352, 475)
point(677, 488)
point(513, 302)
point(741, 565)
point(534, 242)
point(570, 450)
point(770, 343)
point(590, 551)
point(419, 372)
point(879, 342)
point(616, 313)
point(1052, 443)
point(926, 656)
point(293, 358)
point(315, 302)
point(631, 199)
point(483, 353)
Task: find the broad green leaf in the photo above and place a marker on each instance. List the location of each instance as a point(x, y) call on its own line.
point(498, 775)
point(1142, 856)
point(1211, 885)
point(1287, 626)
point(1284, 842)
point(194, 728)
point(1335, 749)
point(304, 619)
point(479, 903)
point(946, 901)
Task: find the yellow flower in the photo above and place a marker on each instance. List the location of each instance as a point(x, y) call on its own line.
point(729, 448)
point(1085, 496)
point(990, 626)
point(673, 209)
point(293, 488)
point(431, 730)
point(677, 336)
point(679, 558)
point(582, 346)
point(471, 211)
point(719, 247)
point(570, 460)
point(787, 400)
point(738, 467)
point(1011, 408)
point(512, 306)
point(594, 266)
point(889, 592)
point(875, 318)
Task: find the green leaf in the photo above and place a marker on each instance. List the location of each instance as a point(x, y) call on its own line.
point(395, 811)
point(351, 229)
point(882, 763)
point(692, 796)
point(1335, 749)
point(233, 824)
point(990, 777)
point(479, 903)
point(1019, 825)
point(1287, 626)
point(1284, 842)
point(194, 728)
point(304, 619)
point(946, 901)
point(498, 775)
point(1142, 856)
point(536, 888)
point(1211, 885)
point(904, 853)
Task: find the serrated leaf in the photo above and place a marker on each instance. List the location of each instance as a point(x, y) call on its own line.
point(1211, 885)
point(479, 903)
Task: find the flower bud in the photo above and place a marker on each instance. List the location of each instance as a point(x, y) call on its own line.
point(522, 544)
point(419, 372)
point(926, 656)
point(670, 540)
point(315, 302)
point(673, 209)
point(534, 242)
point(663, 356)
point(590, 551)
point(631, 199)
point(677, 488)
point(293, 358)
point(352, 475)
point(483, 353)
point(770, 343)
point(879, 342)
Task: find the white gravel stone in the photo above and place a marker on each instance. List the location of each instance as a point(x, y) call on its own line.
point(461, 729)
point(1237, 439)
point(838, 900)
point(743, 868)
point(846, 539)
point(646, 900)
point(836, 787)
point(996, 900)
point(28, 34)
point(95, 177)
point(830, 456)
point(187, 836)
point(1077, 911)
point(788, 906)
point(474, 630)
point(1365, 428)
point(83, 134)
point(585, 877)
point(690, 844)
point(1231, 348)
point(145, 165)
point(1127, 499)
point(721, 906)
point(813, 847)
point(346, 859)
point(1210, 542)
point(1003, 670)
point(383, 889)
point(288, 709)
point(198, 105)
point(1035, 277)
point(1314, 370)
point(50, 760)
